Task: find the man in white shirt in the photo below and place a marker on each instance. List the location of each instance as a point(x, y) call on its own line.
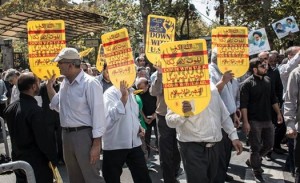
point(80, 104)
point(227, 87)
point(199, 138)
point(12, 76)
point(121, 141)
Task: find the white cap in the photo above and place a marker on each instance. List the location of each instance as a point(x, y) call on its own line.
point(67, 53)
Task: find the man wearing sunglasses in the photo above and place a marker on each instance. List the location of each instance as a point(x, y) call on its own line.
point(257, 98)
point(280, 129)
point(80, 104)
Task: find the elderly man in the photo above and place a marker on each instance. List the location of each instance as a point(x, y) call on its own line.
point(199, 137)
point(80, 104)
point(12, 76)
point(28, 132)
point(121, 141)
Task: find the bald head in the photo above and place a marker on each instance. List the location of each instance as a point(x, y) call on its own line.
point(26, 81)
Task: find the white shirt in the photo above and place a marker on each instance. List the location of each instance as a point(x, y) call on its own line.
point(286, 69)
point(227, 94)
point(80, 103)
point(206, 126)
point(15, 94)
point(122, 121)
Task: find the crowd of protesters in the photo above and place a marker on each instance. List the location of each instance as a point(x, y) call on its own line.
point(71, 119)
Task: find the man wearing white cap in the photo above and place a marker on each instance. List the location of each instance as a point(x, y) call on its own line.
point(80, 103)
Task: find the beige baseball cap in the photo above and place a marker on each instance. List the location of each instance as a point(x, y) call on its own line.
point(67, 53)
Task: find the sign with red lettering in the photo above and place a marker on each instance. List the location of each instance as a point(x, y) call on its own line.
point(45, 40)
point(233, 49)
point(160, 29)
point(118, 56)
point(185, 75)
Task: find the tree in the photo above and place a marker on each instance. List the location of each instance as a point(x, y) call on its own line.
point(260, 14)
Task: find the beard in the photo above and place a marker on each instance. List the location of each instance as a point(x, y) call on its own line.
point(261, 73)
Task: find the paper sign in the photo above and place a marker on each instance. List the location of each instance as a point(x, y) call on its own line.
point(258, 41)
point(118, 56)
point(233, 50)
point(46, 38)
point(100, 58)
point(159, 30)
point(185, 75)
point(214, 33)
point(285, 26)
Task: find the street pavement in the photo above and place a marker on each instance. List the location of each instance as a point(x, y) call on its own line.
point(273, 170)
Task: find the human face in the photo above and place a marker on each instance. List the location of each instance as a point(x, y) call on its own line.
point(142, 73)
point(256, 37)
point(13, 80)
point(36, 87)
point(143, 86)
point(84, 67)
point(64, 66)
point(106, 75)
point(262, 69)
point(142, 62)
point(264, 57)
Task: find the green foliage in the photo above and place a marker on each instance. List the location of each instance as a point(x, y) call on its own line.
point(256, 14)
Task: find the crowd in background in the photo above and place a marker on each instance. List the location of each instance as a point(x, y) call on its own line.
point(264, 103)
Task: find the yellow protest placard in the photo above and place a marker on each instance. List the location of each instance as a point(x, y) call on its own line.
point(45, 40)
point(118, 56)
point(185, 75)
point(214, 33)
point(160, 29)
point(233, 50)
point(100, 58)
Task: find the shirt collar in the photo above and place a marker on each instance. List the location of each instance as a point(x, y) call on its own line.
point(28, 97)
point(78, 78)
point(257, 77)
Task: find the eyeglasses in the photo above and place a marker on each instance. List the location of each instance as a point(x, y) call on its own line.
point(266, 58)
point(263, 66)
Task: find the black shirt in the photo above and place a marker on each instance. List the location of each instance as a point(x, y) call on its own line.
point(258, 95)
point(276, 83)
point(28, 130)
point(149, 103)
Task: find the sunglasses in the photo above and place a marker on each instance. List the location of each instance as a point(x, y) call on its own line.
point(64, 62)
point(263, 66)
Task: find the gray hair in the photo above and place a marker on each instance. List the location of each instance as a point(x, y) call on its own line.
point(10, 73)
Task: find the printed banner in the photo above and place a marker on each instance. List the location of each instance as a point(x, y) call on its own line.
point(233, 50)
point(285, 26)
point(159, 30)
point(258, 41)
point(85, 52)
point(185, 75)
point(100, 58)
point(118, 56)
point(46, 38)
point(214, 33)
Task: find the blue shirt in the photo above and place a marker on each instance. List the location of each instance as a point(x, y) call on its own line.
point(80, 103)
point(229, 93)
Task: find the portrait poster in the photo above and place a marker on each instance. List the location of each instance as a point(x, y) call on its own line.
point(118, 56)
point(285, 26)
point(160, 29)
point(233, 50)
point(100, 59)
point(46, 38)
point(185, 75)
point(258, 41)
